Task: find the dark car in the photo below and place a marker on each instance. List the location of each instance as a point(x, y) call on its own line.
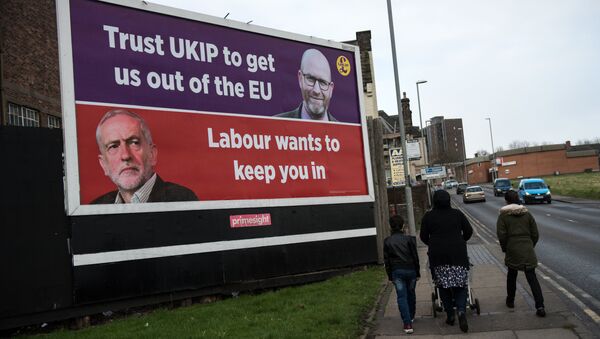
point(501, 186)
point(460, 189)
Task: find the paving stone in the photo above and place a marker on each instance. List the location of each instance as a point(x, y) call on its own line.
point(551, 333)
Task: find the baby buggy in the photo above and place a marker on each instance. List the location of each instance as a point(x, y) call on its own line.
point(472, 303)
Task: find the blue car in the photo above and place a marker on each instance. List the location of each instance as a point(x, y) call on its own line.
point(534, 190)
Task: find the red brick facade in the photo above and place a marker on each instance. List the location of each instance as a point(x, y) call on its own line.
point(29, 74)
point(546, 161)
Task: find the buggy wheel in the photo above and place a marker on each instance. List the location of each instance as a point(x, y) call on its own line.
point(433, 305)
point(477, 309)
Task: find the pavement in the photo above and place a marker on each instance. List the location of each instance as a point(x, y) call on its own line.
point(572, 200)
point(495, 320)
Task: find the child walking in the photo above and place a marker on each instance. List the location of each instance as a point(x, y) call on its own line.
point(402, 267)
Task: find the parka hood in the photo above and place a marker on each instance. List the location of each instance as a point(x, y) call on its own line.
point(441, 199)
point(513, 209)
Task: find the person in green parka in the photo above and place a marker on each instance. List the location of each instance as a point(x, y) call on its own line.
point(518, 234)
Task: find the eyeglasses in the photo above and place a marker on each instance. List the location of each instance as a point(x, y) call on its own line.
point(310, 81)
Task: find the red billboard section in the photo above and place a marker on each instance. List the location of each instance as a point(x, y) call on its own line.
point(235, 157)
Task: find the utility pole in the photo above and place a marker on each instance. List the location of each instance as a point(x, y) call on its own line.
point(407, 188)
point(493, 152)
point(424, 139)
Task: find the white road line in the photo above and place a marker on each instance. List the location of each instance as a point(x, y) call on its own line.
point(572, 286)
point(589, 312)
point(595, 317)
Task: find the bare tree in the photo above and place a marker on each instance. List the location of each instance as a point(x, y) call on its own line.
point(595, 140)
point(519, 144)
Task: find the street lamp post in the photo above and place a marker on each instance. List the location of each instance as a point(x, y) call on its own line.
point(407, 188)
point(419, 101)
point(493, 152)
point(421, 126)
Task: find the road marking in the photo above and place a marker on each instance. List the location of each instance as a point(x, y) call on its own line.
point(589, 312)
point(595, 317)
point(478, 227)
point(573, 221)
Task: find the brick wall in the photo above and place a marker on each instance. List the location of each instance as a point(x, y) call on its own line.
point(29, 57)
point(533, 164)
point(546, 163)
point(478, 172)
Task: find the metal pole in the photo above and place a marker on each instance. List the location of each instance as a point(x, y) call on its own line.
point(407, 188)
point(465, 159)
point(493, 152)
point(419, 101)
point(424, 140)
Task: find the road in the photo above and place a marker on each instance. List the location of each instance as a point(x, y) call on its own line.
point(569, 245)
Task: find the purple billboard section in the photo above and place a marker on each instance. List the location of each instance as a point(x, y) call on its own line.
point(128, 56)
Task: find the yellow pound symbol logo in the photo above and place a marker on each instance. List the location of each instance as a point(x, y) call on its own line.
point(343, 65)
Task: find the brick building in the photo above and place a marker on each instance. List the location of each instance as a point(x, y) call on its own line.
point(533, 162)
point(363, 41)
point(445, 140)
point(29, 74)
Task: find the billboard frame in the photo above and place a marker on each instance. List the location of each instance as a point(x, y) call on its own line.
point(72, 184)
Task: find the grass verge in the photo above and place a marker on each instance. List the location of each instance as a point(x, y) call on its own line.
point(335, 308)
point(580, 185)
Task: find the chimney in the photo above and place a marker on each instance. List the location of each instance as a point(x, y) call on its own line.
point(406, 112)
point(568, 144)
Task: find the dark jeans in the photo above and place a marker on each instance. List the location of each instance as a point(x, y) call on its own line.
point(405, 282)
point(536, 290)
point(454, 296)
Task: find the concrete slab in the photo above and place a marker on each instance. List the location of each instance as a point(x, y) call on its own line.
point(550, 333)
point(552, 301)
point(488, 278)
point(493, 300)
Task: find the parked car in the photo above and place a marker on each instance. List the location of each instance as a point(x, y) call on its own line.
point(534, 190)
point(473, 193)
point(501, 186)
point(460, 189)
point(448, 184)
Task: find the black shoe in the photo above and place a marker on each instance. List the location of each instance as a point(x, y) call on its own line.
point(541, 312)
point(450, 319)
point(510, 303)
point(462, 322)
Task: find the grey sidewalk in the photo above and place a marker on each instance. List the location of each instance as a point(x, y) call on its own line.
point(496, 320)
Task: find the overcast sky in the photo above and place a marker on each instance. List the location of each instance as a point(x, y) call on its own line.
point(533, 67)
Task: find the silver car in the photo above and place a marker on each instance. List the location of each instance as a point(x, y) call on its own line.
point(473, 193)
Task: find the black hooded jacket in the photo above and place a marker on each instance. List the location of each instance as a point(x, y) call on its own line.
point(446, 231)
point(400, 251)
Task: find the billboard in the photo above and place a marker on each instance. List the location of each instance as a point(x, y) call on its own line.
point(182, 111)
point(397, 167)
point(413, 149)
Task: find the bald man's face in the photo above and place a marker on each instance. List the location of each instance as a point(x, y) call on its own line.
point(316, 86)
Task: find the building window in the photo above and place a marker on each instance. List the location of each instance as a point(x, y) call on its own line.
point(53, 122)
point(22, 116)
